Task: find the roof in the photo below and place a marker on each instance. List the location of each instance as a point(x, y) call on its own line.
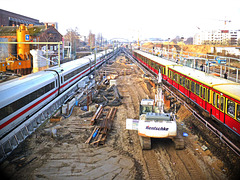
point(33, 30)
point(156, 58)
point(11, 90)
point(232, 90)
point(8, 31)
point(225, 86)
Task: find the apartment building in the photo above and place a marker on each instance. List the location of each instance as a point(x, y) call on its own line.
point(217, 37)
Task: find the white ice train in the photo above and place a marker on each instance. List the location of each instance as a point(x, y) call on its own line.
point(22, 97)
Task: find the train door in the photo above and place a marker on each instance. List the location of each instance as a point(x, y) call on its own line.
point(222, 108)
point(165, 72)
point(197, 92)
point(208, 100)
point(180, 85)
point(218, 106)
point(192, 91)
point(175, 80)
point(202, 96)
point(232, 115)
point(214, 104)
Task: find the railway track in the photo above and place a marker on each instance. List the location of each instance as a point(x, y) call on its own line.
point(209, 126)
point(149, 157)
point(12, 139)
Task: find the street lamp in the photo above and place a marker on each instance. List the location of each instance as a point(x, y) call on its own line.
point(168, 47)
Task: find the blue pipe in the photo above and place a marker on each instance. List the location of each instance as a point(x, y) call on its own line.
point(75, 104)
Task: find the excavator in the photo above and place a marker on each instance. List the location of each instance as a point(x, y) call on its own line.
point(153, 122)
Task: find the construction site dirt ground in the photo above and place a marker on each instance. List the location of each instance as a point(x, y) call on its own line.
point(65, 155)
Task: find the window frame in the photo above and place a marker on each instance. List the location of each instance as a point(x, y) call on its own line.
point(192, 87)
point(227, 108)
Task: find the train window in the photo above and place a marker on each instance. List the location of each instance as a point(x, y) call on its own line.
point(218, 101)
point(9, 109)
point(14, 106)
point(203, 92)
point(238, 112)
point(187, 83)
point(197, 89)
point(41, 92)
point(221, 105)
point(160, 67)
point(148, 62)
point(47, 88)
point(33, 96)
point(183, 81)
point(175, 77)
point(192, 86)
point(163, 70)
point(214, 102)
point(231, 108)
point(208, 95)
point(155, 66)
point(180, 80)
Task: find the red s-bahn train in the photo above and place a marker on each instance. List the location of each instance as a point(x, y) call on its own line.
point(217, 96)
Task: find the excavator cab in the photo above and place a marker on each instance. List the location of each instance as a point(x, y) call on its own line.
point(146, 106)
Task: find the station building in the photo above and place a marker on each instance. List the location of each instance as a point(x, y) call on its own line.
point(12, 19)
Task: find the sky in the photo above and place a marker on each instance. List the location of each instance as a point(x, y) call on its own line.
point(132, 19)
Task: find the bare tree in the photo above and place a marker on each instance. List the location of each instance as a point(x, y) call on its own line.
point(72, 38)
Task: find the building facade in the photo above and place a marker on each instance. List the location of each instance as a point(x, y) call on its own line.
point(91, 40)
point(217, 37)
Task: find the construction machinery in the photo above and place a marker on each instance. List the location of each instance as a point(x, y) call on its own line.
point(22, 62)
point(154, 123)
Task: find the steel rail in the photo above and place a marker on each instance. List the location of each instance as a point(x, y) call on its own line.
point(11, 141)
point(218, 133)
